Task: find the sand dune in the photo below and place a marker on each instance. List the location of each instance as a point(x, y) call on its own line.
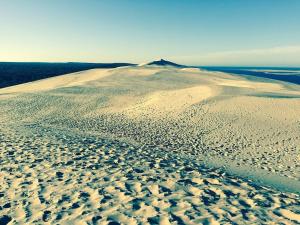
point(150, 145)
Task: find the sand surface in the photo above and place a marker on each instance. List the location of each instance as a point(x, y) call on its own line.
point(150, 145)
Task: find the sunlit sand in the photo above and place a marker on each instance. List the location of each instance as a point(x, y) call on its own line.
point(150, 144)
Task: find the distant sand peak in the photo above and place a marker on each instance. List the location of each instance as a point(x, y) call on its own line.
point(162, 62)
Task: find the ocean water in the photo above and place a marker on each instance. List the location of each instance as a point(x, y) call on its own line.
point(286, 74)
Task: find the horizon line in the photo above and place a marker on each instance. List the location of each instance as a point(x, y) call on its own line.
point(120, 62)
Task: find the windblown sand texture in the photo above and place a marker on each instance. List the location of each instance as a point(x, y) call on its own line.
point(150, 145)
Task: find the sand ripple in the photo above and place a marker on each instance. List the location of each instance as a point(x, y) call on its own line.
point(66, 178)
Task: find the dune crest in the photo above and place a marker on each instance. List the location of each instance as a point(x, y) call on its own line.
point(171, 102)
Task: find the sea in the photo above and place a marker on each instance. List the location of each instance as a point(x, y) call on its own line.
point(287, 74)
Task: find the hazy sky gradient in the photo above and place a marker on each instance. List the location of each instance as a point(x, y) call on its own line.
point(211, 32)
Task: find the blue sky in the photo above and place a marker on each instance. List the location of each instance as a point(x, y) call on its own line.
point(207, 32)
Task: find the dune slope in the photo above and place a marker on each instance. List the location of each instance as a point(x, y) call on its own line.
point(135, 144)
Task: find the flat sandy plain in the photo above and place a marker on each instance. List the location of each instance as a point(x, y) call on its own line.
point(150, 145)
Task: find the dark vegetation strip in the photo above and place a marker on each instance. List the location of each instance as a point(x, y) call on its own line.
point(12, 73)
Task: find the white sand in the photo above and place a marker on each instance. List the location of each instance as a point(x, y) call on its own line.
point(61, 163)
